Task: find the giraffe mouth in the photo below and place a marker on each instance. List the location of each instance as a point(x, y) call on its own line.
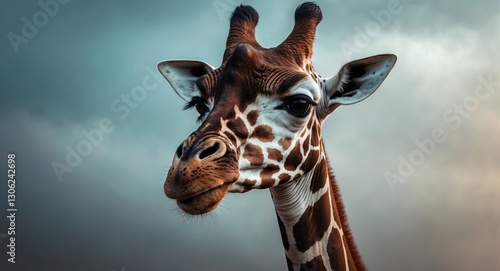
point(205, 201)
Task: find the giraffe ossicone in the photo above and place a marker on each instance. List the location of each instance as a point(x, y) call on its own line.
point(261, 113)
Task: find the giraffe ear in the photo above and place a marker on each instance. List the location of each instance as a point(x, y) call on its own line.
point(182, 75)
point(358, 79)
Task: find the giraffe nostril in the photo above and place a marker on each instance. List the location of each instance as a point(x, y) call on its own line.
point(178, 152)
point(210, 151)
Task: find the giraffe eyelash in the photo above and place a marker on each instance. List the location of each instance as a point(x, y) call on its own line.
point(198, 120)
point(192, 103)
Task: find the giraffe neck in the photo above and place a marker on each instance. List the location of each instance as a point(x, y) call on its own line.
point(313, 224)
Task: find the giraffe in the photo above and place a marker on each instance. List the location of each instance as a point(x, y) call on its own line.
point(261, 113)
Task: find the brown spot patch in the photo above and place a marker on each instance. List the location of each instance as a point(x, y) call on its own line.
point(284, 238)
point(335, 251)
point(306, 144)
point(284, 177)
point(310, 161)
point(285, 143)
point(315, 136)
point(315, 264)
point(294, 157)
point(248, 182)
point(264, 133)
point(238, 127)
point(252, 117)
point(307, 233)
point(267, 173)
point(319, 178)
point(304, 133)
point(253, 154)
point(274, 154)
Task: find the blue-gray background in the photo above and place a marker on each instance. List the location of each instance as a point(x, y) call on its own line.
point(110, 212)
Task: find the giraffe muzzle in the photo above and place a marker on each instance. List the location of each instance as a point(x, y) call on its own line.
point(201, 174)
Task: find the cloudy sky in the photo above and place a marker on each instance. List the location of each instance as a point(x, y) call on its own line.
point(417, 163)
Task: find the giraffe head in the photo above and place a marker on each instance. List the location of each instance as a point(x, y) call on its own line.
point(261, 111)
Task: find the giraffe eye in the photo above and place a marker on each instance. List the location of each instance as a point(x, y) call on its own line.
point(200, 106)
point(299, 105)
